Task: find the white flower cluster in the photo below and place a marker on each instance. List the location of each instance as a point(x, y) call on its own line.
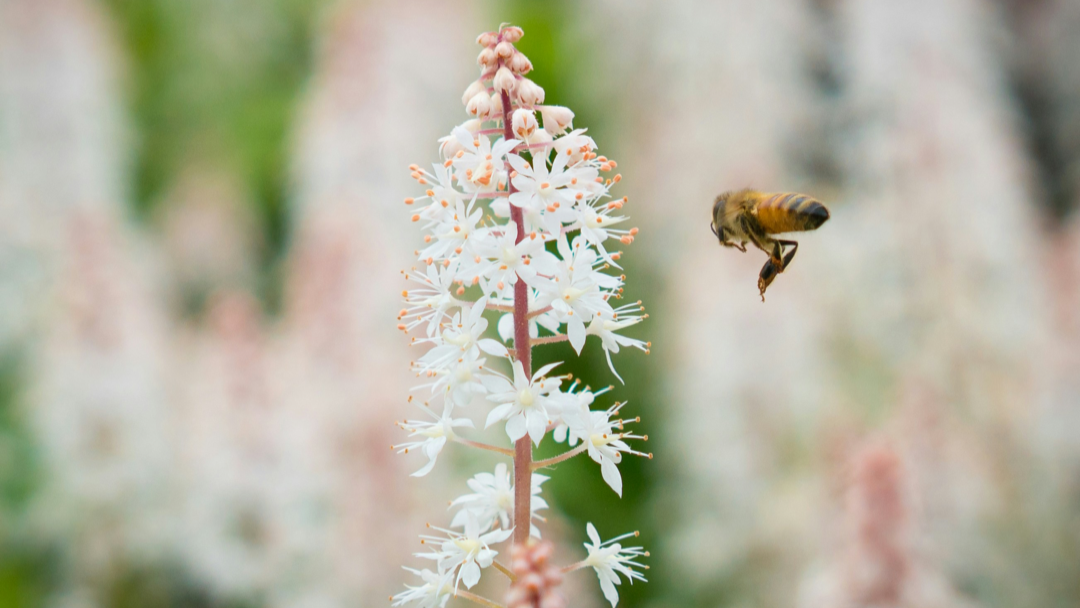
point(475, 259)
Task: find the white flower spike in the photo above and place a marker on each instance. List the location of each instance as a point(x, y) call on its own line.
point(518, 222)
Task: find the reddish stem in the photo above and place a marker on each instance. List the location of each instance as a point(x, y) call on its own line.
point(523, 447)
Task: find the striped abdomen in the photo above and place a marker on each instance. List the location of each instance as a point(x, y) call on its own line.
point(790, 212)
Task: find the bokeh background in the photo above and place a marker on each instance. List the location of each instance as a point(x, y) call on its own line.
point(201, 233)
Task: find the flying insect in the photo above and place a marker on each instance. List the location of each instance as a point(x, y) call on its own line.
point(748, 216)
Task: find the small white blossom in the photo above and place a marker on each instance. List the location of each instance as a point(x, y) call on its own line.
point(576, 291)
point(467, 552)
point(492, 500)
point(522, 404)
point(460, 336)
point(435, 435)
point(509, 259)
point(609, 559)
point(603, 438)
point(431, 301)
point(605, 326)
point(437, 588)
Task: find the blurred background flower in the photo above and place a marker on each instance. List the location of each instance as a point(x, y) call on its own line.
point(199, 371)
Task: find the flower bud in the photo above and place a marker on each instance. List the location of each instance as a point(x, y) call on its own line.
point(504, 50)
point(556, 119)
point(487, 58)
point(520, 64)
point(504, 80)
point(524, 124)
point(479, 106)
point(474, 88)
point(495, 113)
point(487, 39)
point(529, 93)
point(512, 33)
point(472, 125)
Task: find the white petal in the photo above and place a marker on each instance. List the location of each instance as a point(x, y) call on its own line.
point(537, 423)
point(609, 589)
point(499, 413)
point(506, 327)
point(492, 347)
point(515, 427)
point(575, 329)
point(611, 475)
point(594, 537)
point(470, 575)
point(540, 373)
point(496, 536)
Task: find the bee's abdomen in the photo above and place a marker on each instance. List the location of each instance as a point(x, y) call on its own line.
point(790, 212)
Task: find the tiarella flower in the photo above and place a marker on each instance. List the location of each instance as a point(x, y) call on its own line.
point(430, 302)
point(609, 559)
point(506, 177)
point(479, 165)
point(436, 589)
point(575, 144)
point(522, 404)
point(460, 336)
point(603, 438)
point(542, 192)
point(435, 435)
point(605, 326)
point(467, 552)
point(492, 500)
point(574, 288)
point(509, 258)
point(450, 144)
point(598, 225)
point(568, 407)
point(459, 381)
point(450, 233)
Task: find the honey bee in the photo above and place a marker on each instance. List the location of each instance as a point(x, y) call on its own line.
point(747, 215)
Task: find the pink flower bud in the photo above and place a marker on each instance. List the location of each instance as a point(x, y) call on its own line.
point(487, 39)
point(520, 64)
point(487, 58)
point(556, 119)
point(512, 33)
point(474, 88)
point(504, 80)
point(479, 105)
point(524, 124)
point(495, 113)
point(504, 50)
point(529, 93)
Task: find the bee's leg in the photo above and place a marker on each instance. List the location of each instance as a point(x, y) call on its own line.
point(789, 255)
point(768, 273)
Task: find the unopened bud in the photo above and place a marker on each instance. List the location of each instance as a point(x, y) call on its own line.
point(529, 93)
point(479, 105)
point(495, 113)
point(487, 39)
point(520, 64)
point(512, 33)
point(474, 88)
point(556, 119)
point(504, 80)
point(487, 58)
point(524, 124)
point(504, 50)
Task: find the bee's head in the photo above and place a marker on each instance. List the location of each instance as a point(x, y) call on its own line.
point(717, 224)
